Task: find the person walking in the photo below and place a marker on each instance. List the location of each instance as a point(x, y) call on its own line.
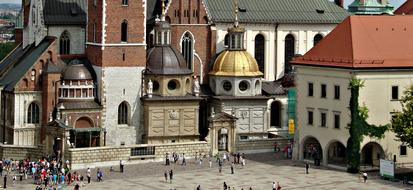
point(274, 187)
point(225, 186)
point(88, 175)
point(183, 159)
point(171, 173)
point(199, 187)
point(278, 185)
point(307, 166)
point(210, 163)
point(5, 181)
point(232, 168)
point(121, 165)
point(165, 174)
point(365, 177)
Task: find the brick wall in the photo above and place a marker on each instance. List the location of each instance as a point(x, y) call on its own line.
point(20, 152)
point(261, 145)
point(106, 156)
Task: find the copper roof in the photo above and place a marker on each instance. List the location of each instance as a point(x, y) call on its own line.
point(365, 42)
point(166, 60)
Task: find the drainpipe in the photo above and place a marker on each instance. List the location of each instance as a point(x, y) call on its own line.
point(276, 45)
point(3, 104)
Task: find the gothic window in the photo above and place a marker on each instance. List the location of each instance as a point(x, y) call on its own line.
point(123, 113)
point(65, 43)
point(188, 49)
point(226, 40)
point(260, 51)
point(125, 2)
point(124, 31)
point(317, 38)
point(289, 52)
point(33, 113)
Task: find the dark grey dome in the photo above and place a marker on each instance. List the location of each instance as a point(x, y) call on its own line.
point(166, 60)
point(75, 70)
point(162, 25)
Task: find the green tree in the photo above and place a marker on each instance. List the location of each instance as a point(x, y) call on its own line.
point(359, 127)
point(6, 48)
point(402, 122)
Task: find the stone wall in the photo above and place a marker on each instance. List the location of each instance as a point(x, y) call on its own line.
point(107, 156)
point(259, 145)
point(20, 152)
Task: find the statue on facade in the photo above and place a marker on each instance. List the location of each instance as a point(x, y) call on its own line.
point(197, 87)
point(150, 88)
point(212, 112)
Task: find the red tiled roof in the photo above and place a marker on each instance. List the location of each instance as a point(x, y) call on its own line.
point(406, 8)
point(365, 42)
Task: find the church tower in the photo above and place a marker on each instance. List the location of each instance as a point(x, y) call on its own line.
point(116, 47)
point(171, 103)
point(235, 80)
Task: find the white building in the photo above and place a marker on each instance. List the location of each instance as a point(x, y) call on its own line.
point(374, 49)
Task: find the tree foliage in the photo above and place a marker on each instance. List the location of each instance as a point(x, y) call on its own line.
point(359, 127)
point(6, 48)
point(402, 122)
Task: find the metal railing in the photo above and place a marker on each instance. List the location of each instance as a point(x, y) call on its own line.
point(142, 151)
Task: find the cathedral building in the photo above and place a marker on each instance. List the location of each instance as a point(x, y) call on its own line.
point(112, 73)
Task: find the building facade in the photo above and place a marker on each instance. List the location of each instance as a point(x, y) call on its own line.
point(323, 94)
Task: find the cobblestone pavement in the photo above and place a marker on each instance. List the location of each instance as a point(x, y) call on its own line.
point(259, 173)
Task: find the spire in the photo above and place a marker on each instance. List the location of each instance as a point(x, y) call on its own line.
point(163, 11)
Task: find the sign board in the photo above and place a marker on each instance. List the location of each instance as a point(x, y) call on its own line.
point(386, 168)
point(291, 126)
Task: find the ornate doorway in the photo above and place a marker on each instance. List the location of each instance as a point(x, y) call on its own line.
point(221, 134)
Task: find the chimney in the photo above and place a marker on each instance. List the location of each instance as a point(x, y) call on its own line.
point(339, 3)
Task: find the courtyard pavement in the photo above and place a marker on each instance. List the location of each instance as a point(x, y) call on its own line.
point(259, 173)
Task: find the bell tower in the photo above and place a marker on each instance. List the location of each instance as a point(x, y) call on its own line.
point(116, 47)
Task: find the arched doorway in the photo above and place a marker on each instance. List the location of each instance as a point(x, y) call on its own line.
point(371, 153)
point(275, 119)
point(337, 153)
point(289, 51)
point(223, 140)
point(85, 134)
point(312, 150)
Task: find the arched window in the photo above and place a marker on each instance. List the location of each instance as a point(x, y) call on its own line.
point(33, 113)
point(123, 113)
point(65, 43)
point(226, 40)
point(259, 52)
point(289, 52)
point(317, 38)
point(187, 49)
point(124, 31)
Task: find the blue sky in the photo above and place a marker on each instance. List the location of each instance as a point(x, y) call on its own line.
point(396, 3)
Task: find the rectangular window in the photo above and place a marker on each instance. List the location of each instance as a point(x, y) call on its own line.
point(323, 91)
point(125, 2)
point(310, 89)
point(394, 92)
point(94, 31)
point(94, 3)
point(336, 92)
point(310, 117)
point(403, 150)
point(337, 121)
point(323, 119)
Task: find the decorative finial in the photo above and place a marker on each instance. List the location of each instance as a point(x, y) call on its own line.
point(163, 10)
point(236, 13)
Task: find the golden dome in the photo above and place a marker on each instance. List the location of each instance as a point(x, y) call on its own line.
point(235, 63)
